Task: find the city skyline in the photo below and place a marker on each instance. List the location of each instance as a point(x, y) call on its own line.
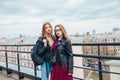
point(78, 16)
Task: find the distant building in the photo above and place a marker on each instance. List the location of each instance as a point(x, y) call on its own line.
point(94, 31)
point(116, 30)
point(3, 40)
point(114, 67)
point(102, 38)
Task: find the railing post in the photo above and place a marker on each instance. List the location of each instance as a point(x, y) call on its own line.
point(6, 59)
point(0, 68)
point(100, 65)
point(21, 76)
point(18, 63)
point(35, 72)
point(9, 71)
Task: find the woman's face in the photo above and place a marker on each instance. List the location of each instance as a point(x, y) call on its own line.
point(58, 31)
point(48, 29)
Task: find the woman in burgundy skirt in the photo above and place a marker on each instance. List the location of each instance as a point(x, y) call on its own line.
point(63, 67)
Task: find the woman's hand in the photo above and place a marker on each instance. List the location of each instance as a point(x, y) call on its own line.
point(45, 42)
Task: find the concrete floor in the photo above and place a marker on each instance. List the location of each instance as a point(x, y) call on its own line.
point(4, 76)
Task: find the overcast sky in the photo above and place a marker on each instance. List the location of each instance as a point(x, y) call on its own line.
point(27, 16)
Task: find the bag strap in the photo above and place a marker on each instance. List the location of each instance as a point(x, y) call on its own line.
point(47, 74)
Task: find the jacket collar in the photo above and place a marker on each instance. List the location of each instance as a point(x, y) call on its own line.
point(61, 39)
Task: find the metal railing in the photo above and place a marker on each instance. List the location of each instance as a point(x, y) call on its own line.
point(18, 52)
point(99, 57)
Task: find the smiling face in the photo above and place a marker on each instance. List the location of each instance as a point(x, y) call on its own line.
point(48, 29)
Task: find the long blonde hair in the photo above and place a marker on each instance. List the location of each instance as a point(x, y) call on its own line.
point(64, 32)
point(43, 28)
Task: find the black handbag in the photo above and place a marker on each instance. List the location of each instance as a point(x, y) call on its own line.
point(38, 60)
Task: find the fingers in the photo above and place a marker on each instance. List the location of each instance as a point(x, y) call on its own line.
point(69, 73)
point(45, 42)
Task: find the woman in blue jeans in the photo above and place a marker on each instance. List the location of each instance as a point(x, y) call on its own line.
point(44, 49)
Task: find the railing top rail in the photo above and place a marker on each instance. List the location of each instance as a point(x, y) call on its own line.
point(17, 45)
point(74, 44)
point(96, 44)
point(96, 56)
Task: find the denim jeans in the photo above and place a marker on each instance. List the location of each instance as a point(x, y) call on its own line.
point(46, 68)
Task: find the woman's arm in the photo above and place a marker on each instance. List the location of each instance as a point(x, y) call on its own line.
point(42, 49)
point(70, 56)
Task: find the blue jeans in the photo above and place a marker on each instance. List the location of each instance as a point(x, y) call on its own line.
point(46, 68)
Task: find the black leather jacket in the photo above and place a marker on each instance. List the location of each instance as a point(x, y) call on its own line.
point(65, 54)
point(45, 51)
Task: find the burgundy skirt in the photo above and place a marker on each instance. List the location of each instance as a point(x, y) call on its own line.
point(60, 73)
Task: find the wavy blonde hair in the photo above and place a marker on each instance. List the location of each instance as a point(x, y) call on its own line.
point(64, 32)
point(43, 28)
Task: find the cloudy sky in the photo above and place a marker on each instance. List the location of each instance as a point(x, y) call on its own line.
point(27, 16)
